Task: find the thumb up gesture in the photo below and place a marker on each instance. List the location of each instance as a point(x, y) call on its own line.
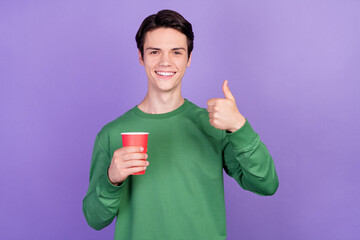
point(223, 112)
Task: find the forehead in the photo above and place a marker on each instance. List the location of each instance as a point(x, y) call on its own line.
point(165, 37)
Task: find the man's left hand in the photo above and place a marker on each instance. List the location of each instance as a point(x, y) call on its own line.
point(223, 112)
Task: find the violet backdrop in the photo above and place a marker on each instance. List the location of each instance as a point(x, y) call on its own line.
point(69, 67)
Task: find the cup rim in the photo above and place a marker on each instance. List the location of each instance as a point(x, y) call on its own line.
point(134, 133)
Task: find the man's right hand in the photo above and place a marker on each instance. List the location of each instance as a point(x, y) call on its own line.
point(126, 161)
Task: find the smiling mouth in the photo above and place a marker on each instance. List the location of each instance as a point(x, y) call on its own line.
point(165, 74)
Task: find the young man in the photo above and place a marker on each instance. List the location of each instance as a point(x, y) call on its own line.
point(181, 195)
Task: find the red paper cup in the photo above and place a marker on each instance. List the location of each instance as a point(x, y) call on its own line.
point(136, 139)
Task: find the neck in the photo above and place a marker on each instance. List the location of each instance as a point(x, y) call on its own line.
point(161, 103)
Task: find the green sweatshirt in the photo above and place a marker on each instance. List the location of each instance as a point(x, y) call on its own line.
point(181, 195)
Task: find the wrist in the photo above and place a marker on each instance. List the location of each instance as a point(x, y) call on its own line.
point(238, 124)
point(111, 181)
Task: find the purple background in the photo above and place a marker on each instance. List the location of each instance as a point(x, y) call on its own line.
point(69, 67)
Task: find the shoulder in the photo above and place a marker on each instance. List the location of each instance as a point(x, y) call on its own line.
point(200, 117)
point(196, 110)
point(116, 125)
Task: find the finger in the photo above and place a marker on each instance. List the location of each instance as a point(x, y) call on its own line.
point(126, 150)
point(135, 163)
point(210, 108)
point(212, 101)
point(211, 120)
point(135, 170)
point(227, 92)
point(133, 156)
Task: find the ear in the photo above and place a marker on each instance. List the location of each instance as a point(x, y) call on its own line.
point(140, 58)
point(189, 60)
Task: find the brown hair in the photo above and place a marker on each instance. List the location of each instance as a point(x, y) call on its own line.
point(166, 19)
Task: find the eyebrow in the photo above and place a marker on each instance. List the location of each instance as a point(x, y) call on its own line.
point(158, 49)
point(180, 48)
point(151, 48)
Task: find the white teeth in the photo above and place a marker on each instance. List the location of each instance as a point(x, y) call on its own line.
point(165, 73)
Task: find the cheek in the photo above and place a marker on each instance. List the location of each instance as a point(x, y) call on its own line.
point(148, 65)
point(149, 62)
point(182, 64)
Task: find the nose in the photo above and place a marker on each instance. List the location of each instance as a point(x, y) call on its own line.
point(165, 60)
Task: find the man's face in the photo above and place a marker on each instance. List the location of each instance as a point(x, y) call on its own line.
point(165, 59)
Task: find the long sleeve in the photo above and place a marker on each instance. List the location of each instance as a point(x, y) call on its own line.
point(102, 199)
point(248, 161)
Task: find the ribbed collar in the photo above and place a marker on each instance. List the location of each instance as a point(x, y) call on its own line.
point(162, 115)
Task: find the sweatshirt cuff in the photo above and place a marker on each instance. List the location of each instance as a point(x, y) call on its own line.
point(242, 137)
point(107, 189)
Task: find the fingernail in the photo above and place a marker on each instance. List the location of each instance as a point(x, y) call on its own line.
point(144, 168)
point(147, 163)
point(146, 156)
point(141, 149)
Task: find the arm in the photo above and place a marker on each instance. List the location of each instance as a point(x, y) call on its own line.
point(245, 157)
point(108, 180)
point(102, 199)
point(248, 161)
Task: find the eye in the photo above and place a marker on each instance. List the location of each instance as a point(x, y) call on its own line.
point(177, 53)
point(154, 52)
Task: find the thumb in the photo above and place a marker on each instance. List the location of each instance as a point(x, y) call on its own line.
point(226, 90)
